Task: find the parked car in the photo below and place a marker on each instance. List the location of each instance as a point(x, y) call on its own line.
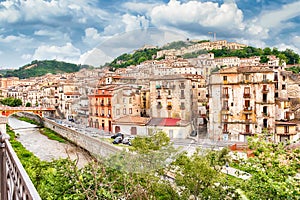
point(117, 140)
point(127, 140)
point(117, 135)
point(193, 133)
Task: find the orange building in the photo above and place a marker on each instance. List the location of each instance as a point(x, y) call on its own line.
point(100, 109)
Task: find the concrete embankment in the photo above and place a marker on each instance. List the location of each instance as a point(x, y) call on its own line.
point(94, 146)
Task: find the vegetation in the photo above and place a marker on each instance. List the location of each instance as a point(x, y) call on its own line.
point(26, 119)
point(273, 170)
point(135, 58)
point(128, 176)
point(288, 55)
point(181, 44)
point(52, 135)
point(294, 69)
point(10, 101)
point(40, 68)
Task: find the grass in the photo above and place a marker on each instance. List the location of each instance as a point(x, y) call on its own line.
point(52, 135)
point(26, 119)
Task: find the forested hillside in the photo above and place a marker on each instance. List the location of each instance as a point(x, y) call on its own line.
point(40, 68)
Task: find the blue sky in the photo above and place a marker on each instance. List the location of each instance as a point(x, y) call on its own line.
point(93, 32)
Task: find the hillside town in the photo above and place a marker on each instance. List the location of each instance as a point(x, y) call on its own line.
point(222, 99)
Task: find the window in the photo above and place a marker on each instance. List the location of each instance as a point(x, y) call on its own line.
point(118, 111)
point(265, 96)
point(265, 123)
point(225, 128)
point(247, 90)
point(247, 103)
point(182, 93)
point(247, 76)
point(169, 92)
point(124, 111)
point(265, 110)
point(102, 91)
point(199, 94)
point(283, 86)
point(130, 110)
point(247, 128)
point(225, 105)
point(264, 77)
point(224, 78)
point(124, 100)
point(283, 78)
point(130, 100)
point(225, 92)
point(286, 129)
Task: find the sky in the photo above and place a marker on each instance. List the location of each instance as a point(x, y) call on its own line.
point(96, 31)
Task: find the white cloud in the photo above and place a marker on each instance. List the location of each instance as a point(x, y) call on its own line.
point(67, 53)
point(50, 11)
point(92, 37)
point(53, 35)
point(139, 7)
point(198, 14)
point(276, 18)
point(134, 22)
point(95, 57)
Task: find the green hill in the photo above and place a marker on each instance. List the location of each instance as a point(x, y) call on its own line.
point(40, 68)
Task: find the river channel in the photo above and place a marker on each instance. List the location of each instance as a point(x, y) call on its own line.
point(44, 148)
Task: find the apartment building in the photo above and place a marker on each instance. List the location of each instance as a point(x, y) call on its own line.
point(111, 102)
point(241, 103)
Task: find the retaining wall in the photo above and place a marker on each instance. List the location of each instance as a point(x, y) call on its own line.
point(96, 147)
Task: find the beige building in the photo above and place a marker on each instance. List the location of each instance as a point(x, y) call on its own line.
point(241, 103)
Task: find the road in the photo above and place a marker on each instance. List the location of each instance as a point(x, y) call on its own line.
point(44, 148)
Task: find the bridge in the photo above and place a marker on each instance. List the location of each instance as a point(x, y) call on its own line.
point(15, 183)
point(7, 110)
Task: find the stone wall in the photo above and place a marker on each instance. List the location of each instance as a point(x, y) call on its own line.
point(95, 146)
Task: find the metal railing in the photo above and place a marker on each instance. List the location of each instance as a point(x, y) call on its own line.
point(15, 182)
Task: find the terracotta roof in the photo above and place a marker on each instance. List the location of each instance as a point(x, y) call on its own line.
point(254, 69)
point(164, 122)
point(132, 120)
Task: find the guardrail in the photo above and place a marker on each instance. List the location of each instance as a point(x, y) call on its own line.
point(15, 182)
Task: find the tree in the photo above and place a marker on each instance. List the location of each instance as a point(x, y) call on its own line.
point(28, 104)
point(273, 170)
point(10, 101)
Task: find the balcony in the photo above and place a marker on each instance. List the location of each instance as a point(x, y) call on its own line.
point(158, 97)
point(265, 90)
point(247, 95)
point(169, 107)
point(169, 97)
point(15, 182)
point(247, 133)
point(182, 86)
point(108, 105)
point(265, 114)
point(248, 121)
point(247, 110)
point(182, 107)
point(225, 108)
point(182, 97)
point(225, 96)
point(225, 82)
point(158, 86)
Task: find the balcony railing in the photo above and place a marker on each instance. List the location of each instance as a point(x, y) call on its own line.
point(265, 90)
point(15, 183)
point(247, 95)
point(225, 96)
point(169, 107)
